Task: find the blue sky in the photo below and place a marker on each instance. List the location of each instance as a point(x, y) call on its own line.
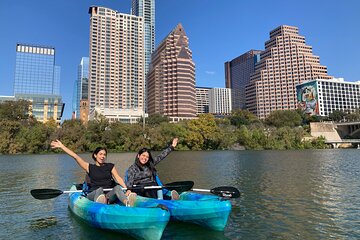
point(218, 31)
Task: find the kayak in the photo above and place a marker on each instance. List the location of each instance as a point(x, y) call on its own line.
point(202, 209)
point(139, 222)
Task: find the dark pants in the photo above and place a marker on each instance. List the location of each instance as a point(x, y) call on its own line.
point(150, 193)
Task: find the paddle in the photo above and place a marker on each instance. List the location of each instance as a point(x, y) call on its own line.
point(47, 193)
point(224, 191)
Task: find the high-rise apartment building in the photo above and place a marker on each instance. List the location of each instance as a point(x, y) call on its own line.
point(116, 65)
point(220, 101)
point(285, 62)
point(171, 78)
point(202, 100)
point(81, 86)
point(37, 79)
point(237, 76)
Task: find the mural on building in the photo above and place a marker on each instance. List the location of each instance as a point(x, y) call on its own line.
point(307, 98)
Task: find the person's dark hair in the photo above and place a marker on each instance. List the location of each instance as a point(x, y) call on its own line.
point(96, 151)
point(150, 162)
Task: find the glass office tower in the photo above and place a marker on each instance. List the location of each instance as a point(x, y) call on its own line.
point(37, 79)
point(35, 71)
point(146, 10)
point(237, 76)
point(81, 86)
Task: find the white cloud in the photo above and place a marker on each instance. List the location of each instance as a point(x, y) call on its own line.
point(210, 72)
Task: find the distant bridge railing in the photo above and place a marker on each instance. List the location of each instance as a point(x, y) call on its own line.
point(336, 143)
point(343, 141)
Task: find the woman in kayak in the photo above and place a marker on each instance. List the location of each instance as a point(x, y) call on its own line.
point(142, 172)
point(101, 176)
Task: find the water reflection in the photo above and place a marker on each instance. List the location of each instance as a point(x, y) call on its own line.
point(285, 194)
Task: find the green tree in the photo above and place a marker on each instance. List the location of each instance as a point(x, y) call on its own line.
point(155, 119)
point(115, 136)
point(203, 133)
point(354, 116)
point(337, 115)
point(242, 117)
point(15, 110)
point(286, 118)
point(8, 131)
point(73, 134)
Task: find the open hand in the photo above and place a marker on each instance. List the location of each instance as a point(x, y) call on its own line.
point(174, 142)
point(56, 144)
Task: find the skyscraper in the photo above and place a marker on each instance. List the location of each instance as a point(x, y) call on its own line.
point(237, 76)
point(220, 101)
point(146, 10)
point(285, 62)
point(116, 65)
point(35, 70)
point(171, 77)
point(81, 86)
point(202, 100)
point(37, 79)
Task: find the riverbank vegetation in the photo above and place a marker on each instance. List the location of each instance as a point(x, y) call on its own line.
point(20, 133)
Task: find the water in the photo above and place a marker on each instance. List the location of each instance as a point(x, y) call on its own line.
point(312, 194)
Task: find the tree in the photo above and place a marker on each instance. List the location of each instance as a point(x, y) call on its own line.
point(203, 133)
point(284, 118)
point(155, 119)
point(15, 110)
point(337, 115)
point(73, 134)
point(242, 117)
point(354, 116)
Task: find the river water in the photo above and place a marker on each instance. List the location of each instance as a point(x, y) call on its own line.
point(312, 194)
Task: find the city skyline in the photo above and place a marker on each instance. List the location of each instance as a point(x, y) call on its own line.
point(219, 34)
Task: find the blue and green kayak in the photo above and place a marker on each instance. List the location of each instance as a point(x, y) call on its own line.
point(209, 211)
point(139, 222)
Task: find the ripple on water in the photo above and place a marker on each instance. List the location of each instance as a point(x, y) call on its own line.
point(42, 223)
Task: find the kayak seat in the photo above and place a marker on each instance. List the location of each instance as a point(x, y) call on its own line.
point(165, 192)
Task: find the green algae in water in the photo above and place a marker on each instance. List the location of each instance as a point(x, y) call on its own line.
point(43, 223)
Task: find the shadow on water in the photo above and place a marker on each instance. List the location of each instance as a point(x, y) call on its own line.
point(187, 231)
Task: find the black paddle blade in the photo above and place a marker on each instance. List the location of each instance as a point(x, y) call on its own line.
point(181, 186)
point(226, 192)
point(45, 193)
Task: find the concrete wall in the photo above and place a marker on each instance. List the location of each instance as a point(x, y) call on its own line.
point(328, 130)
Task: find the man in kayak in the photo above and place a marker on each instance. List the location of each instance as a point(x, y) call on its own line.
point(143, 173)
point(102, 175)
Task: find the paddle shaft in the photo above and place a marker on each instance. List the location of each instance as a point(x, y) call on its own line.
point(224, 191)
point(109, 189)
point(201, 190)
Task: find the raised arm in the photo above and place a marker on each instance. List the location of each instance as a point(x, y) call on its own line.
point(82, 163)
point(166, 152)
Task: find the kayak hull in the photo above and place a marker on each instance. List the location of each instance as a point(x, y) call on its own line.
point(141, 223)
point(205, 210)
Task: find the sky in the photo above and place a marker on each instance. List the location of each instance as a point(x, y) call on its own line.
point(218, 31)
